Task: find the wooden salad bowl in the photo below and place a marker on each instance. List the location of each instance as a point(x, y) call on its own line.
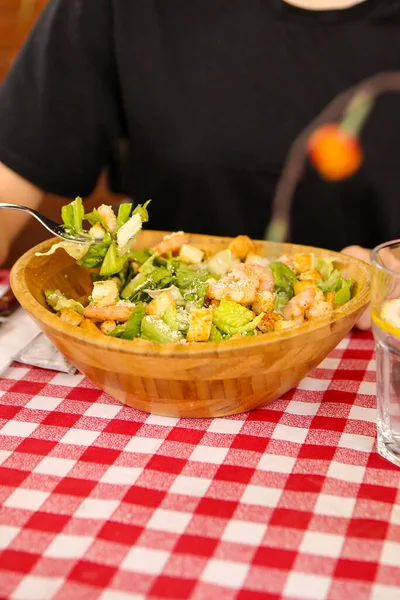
point(211, 379)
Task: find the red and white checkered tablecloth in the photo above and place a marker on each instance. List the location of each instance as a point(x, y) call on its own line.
point(99, 501)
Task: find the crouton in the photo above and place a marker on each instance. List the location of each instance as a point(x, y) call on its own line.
point(107, 326)
point(199, 325)
point(300, 286)
point(330, 297)
point(190, 254)
point(105, 293)
point(313, 275)
point(107, 214)
point(71, 316)
point(241, 246)
point(267, 323)
point(264, 302)
point(88, 325)
point(303, 261)
point(160, 304)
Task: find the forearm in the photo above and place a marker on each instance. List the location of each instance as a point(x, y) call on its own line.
point(3, 245)
point(16, 190)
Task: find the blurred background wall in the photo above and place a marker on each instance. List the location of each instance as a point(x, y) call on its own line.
point(16, 19)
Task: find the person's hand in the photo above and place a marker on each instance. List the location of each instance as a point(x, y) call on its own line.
point(365, 255)
point(16, 190)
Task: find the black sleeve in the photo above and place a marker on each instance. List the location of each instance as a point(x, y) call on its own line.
point(59, 109)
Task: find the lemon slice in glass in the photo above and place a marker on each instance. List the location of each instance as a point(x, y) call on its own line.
point(390, 312)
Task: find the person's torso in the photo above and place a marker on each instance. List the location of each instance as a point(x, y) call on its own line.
point(214, 93)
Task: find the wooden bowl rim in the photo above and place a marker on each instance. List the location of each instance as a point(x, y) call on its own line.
point(147, 348)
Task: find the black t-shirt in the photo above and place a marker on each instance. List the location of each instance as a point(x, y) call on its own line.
point(195, 105)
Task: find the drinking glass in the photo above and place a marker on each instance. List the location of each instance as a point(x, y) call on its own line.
point(385, 307)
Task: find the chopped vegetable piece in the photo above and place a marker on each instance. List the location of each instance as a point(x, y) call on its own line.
point(221, 262)
point(133, 325)
point(113, 263)
point(124, 213)
point(343, 295)
point(96, 253)
point(324, 266)
point(57, 301)
point(72, 215)
point(231, 317)
point(154, 329)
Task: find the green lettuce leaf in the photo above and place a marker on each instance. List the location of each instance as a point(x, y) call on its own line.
point(156, 330)
point(338, 284)
point(125, 275)
point(72, 215)
point(94, 217)
point(170, 317)
point(216, 335)
point(140, 256)
point(196, 293)
point(324, 266)
point(284, 277)
point(158, 277)
point(133, 325)
point(177, 320)
point(221, 262)
point(173, 291)
point(332, 284)
point(113, 263)
point(57, 301)
point(141, 209)
point(136, 284)
point(96, 253)
point(124, 213)
point(282, 298)
point(148, 265)
point(118, 331)
point(186, 274)
point(231, 317)
point(343, 295)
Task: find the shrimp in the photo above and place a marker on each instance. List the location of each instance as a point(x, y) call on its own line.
point(242, 283)
point(107, 214)
point(299, 304)
point(262, 272)
point(228, 288)
point(117, 312)
point(171, 243)
point(237, 285)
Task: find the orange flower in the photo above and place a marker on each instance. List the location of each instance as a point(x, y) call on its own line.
point(335, 153)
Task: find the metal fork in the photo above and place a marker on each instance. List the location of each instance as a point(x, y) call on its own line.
point(54, 228)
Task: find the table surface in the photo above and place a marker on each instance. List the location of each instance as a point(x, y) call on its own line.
point(99, 501)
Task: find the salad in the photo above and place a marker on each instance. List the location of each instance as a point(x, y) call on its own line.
point(175, 292)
